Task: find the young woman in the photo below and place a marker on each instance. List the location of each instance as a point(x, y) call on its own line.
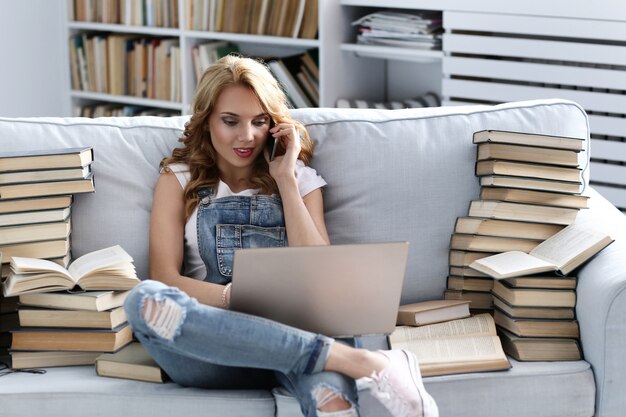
point(218, 192)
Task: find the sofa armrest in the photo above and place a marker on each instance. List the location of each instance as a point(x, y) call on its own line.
point(601, 307)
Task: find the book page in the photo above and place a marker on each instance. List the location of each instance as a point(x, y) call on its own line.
point(567, 244)
point(510, 264)
point(454, 349)
point(32, 265)
point(480, 325)
point(97, 260)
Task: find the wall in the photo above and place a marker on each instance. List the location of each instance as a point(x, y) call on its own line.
point(33, 79)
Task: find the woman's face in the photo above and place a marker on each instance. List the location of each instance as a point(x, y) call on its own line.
point(239, 128)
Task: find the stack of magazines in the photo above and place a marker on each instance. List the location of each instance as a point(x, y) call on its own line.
point(411, 30)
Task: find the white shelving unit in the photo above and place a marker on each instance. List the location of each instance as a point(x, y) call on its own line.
point(493, 52)
point(248, 44)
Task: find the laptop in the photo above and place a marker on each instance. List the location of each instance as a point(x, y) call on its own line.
point(337, 290)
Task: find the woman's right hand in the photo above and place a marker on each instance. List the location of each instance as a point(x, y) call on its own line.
point(283, 167)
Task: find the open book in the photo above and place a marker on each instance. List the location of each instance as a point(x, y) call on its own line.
point(563, 252)
point(457, 346)
point(106, 269)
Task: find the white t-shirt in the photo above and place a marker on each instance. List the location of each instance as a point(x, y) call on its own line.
point(308, 180)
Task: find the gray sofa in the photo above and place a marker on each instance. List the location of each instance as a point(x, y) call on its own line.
point(393, 175)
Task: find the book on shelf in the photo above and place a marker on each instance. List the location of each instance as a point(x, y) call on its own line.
point(39, 189)
point(44, 317)
point(463, 271)
point(282, 70)
point(534, 213)
point(457, 346)
point(527, 170)
point(534, 197)
point(534, 297)
point(491, 243)
point(563, 313)
point(464, 258)
point(500, 151)
point(88, 300)
point(432, 311)
point(23, 233)
point(105, 269)
point(563, 252)
point(18, 177)
point(505, 228)
point(41, 250)
point(478, 300)
point(45, 159)
point(530, 139)
point(469, 284)
point(539, 348)
point(130, 362)
point(48, 359)
point(35, 204)
point(32, 217)
point(45, 338)
point(537, 327)
point(310, 22)
point(531, 184)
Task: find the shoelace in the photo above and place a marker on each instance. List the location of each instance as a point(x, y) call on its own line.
point(383, 390)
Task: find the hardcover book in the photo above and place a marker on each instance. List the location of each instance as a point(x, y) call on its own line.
point(526, 154)
point(89, 300)
point(457, 346)
point(45, 159)
point(130, 362)
point(529, 139)
point(106, 269)
point(45, 338)
point(539, 348)
point(432, 311)
point(563, 252)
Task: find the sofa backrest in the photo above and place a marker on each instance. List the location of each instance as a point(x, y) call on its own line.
point(392, 175)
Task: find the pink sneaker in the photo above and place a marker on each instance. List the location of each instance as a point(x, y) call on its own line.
point(399, 387)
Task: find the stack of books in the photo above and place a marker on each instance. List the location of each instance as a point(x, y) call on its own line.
point(446, 340)
point(409, 30)
point(299, 75)
point(535, 313)
point(35, 201)
point(530, 190)
point(69, 316)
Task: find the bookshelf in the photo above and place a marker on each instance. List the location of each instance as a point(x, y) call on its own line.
point(183, 34)
point(495, 52)
point(492, 53)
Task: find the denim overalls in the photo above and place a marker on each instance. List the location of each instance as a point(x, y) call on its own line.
point(235, 222)
point(210, 347)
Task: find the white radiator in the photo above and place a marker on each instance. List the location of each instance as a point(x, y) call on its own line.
point(495, 58)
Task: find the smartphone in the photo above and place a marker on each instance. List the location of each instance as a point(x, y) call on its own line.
point(271, 143)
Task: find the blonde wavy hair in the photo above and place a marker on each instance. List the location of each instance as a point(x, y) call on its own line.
point(198, 151)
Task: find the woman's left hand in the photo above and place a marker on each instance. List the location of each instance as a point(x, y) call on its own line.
point(284, 166)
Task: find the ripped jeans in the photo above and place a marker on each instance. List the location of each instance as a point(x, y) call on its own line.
point(208, 347)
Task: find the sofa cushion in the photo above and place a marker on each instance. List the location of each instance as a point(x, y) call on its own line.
point(78, 391)
point(538, 389)
point(127, 152)
point(408, 174)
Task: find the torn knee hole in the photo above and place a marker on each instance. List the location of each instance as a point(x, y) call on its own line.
point(164, 317)
point(327, 399)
